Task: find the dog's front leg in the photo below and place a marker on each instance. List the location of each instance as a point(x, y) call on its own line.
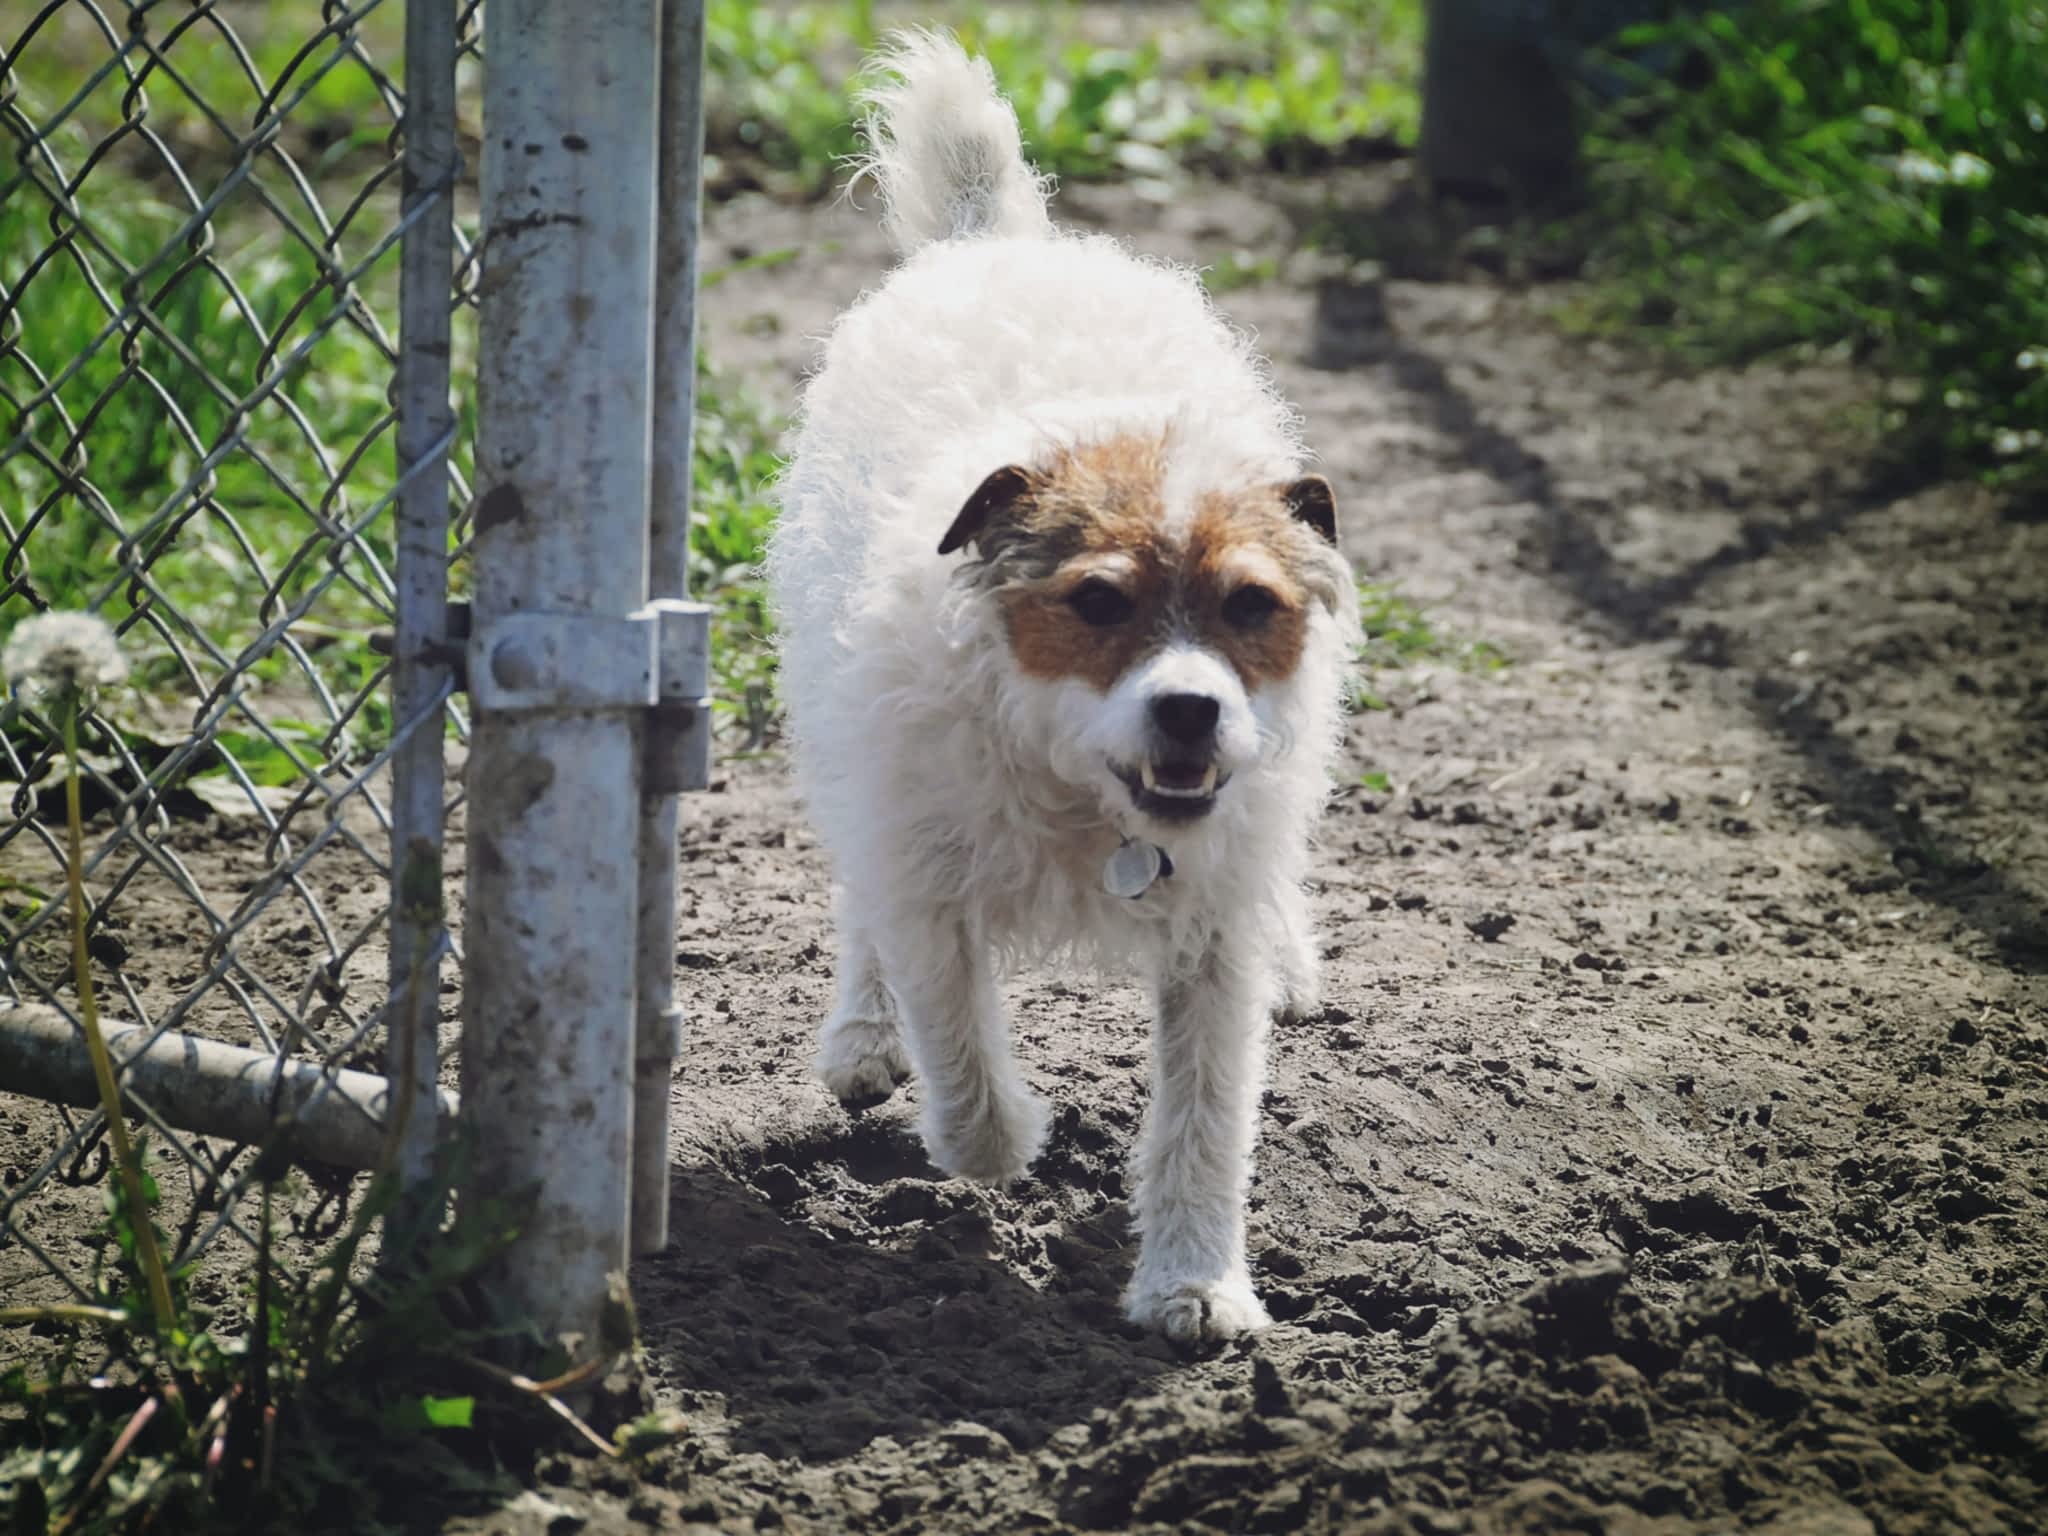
point(980, 1121)
point(1300, 968)
point(860, 1049)
point(1193, 1161)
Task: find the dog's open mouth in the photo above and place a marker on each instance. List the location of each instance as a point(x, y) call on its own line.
point(1173, 789)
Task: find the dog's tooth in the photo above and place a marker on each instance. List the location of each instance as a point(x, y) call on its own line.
point(1209, 780)
point(1147, 777)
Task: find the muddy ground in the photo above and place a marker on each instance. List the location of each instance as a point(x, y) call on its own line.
point(1670, 1154)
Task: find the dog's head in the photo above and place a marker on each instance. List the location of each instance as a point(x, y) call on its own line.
point(1163, 623)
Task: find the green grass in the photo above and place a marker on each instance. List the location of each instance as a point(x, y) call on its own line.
point(1399, 635)
point(775, 90)
point(1240, 269)
point(105, 482)
point(1299, 83)
point(220, 565)
point(1870, 177)
point(338, 1384)
point(196, 414)
point(735, 461)
point(151, 401)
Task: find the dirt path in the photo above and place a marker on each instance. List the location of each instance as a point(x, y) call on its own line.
point(1670, 1155)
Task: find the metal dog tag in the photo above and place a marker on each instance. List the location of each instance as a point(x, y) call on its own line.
point(1131, 870)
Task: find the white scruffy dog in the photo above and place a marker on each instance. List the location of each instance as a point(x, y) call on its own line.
point(1104, 733)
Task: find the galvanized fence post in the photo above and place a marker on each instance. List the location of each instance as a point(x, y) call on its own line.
point(421, 676)
point(561, 667)
point(679, 729)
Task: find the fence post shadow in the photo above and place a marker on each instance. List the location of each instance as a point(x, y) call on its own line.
point(828, 1308)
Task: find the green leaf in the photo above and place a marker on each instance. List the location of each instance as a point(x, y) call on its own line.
point(448, 1412)
point(413, 1415)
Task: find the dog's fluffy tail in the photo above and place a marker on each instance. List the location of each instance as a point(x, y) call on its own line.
point(943, 147)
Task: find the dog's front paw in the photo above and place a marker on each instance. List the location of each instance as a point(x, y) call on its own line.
point(1301, 985)
point(1301, 999)
point(992, 1146)
point(1196, 1311)
point(862, 1061)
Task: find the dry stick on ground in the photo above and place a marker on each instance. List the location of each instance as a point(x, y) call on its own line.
point(545, 1392)
point(66, 1312)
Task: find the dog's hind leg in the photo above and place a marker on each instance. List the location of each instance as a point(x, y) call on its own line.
point(980, 1120)
point(860, 1048)
point(1193, 1161)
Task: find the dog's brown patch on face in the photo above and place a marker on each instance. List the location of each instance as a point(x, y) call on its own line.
point(1247, 593)
point(1091, 580)
point(1094, 538)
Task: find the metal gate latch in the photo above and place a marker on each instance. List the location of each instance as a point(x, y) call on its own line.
point(657, 658)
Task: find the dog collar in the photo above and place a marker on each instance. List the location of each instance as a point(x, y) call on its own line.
point(1134, 867)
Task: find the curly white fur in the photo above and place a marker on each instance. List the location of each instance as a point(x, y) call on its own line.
point(943, 147)
point(967, 806)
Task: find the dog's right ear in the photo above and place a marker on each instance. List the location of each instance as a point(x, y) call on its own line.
point(994, 496)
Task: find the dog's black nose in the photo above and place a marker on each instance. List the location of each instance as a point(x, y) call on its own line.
point(1187, 718)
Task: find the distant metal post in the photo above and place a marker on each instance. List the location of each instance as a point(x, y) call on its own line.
point(1498, 79)
point(679, 729)
point(560, 667)
point(1496, 102)
point(420, 670)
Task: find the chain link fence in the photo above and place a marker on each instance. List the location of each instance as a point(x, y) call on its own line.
point(208, 223)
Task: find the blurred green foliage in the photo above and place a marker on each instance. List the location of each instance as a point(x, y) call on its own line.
point(1099, 92)
point(1870, 175)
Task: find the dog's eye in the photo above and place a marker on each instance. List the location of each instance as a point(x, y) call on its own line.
point(1100, 604)
point(1249, 607)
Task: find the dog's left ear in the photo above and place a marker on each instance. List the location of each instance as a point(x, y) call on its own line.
point(1327, 577)
point(1312, 501)
point(994, 496)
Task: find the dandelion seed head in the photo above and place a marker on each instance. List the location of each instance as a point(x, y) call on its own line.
point(59, 653)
